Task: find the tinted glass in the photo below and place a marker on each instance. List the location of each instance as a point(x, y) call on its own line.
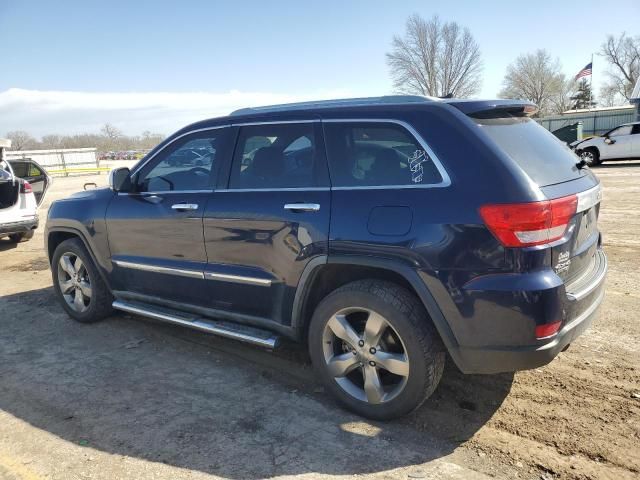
point(190, 163)
point(636, 129)
point(276, 156)
point(20, 169)
point(625, 130)
point(377, 154)
point(546, 159)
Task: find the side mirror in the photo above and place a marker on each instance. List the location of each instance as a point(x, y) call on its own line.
point(120, 180)
point(608, 141)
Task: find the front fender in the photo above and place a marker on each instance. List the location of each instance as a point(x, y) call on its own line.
point(83, 214)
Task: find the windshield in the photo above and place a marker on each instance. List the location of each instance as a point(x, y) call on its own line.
point(545, 158)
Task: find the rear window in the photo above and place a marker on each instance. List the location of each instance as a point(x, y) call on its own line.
point(545, 158)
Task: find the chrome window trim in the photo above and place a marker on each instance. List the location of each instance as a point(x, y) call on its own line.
point(225, 277)
point(249, 123)
point(289, 189)
point(158, 269)
point(164, 192)
point(446, 180)
point(198, 130)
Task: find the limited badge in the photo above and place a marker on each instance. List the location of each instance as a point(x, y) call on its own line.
point(563, 262)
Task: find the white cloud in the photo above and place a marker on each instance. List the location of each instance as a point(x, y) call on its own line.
point(66, 112)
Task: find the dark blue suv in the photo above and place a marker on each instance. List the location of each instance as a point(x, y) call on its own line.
point(385, 232)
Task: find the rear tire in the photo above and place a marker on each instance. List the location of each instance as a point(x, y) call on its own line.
point(384, 324)
point(21, 237)
point(77, 283)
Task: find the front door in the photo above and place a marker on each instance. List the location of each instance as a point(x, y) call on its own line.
point(155, 231)
point(618, 143)
point(273, 219)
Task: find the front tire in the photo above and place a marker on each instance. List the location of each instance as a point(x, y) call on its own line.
point(591, 156)
point(78, 284)
point(375, 348)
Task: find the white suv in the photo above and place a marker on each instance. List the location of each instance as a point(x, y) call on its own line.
point(23, 184)
point(621, 143)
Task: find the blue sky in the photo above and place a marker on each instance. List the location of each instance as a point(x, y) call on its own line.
point(69, 66)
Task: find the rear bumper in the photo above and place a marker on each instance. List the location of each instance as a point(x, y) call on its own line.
point(577, 308)
point(487, 360)
point(19, 227)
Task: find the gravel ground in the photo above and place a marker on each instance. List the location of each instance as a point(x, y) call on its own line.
point(129, 398)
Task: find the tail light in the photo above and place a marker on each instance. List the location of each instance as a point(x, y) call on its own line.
point(547, 330)
point(528, 224)
point(26, 187)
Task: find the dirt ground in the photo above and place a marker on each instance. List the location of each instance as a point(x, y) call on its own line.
point(130, 398)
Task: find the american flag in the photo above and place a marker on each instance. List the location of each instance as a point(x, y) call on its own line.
point(585, 72)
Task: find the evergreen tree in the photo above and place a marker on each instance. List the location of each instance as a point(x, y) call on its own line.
point(583, 97)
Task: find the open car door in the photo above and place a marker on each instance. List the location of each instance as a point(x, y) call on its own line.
point(33, 173)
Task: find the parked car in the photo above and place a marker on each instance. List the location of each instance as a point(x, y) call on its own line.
point(621, 143)
point(23, 184)
point(384, 233)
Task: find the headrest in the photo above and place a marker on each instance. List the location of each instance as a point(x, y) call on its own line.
point(268, 162)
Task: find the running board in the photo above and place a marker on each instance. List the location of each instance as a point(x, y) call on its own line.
point(235, 331)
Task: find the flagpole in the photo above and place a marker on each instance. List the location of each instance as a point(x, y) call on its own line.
point(591, 84)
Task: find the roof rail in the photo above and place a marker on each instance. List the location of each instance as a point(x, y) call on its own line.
point(346, 102)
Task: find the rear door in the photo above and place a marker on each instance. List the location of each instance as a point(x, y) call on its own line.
point(33, 173)
point(155, 231)
point(271, 221)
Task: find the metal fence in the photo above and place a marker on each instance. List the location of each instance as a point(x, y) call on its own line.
point(62, 162)
point(595, 122)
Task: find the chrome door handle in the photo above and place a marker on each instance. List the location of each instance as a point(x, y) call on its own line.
point(302, 207)
point(184, 206)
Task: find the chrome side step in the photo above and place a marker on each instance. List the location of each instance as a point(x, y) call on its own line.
point(235, 331)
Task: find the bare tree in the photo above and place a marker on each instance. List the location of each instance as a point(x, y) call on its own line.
point(21, 140)
point(623, 55)
point(435, 59)
point(538, 78)
point(610, 96)
point(563, 99)
point(112, 137)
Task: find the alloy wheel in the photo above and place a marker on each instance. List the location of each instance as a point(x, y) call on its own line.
point(365, 355)
point(587, 156)
point(74, 282)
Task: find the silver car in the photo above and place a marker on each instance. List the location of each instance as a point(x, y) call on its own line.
point(621, 143)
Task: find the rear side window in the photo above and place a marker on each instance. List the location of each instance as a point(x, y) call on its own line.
point(377, 154)
point(545, 158)
point(277, 156)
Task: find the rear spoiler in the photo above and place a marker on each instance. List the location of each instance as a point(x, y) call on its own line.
point(494, 108)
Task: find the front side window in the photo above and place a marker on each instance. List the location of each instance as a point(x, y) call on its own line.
point(190, 163)
point(377, 154)
point(624, 130)
point(276, 156)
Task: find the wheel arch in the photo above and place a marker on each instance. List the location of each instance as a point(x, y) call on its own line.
point(327, 274)
point(57, 235)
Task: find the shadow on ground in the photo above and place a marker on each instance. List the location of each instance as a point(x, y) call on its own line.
point(164, 394)
point(6, 244)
